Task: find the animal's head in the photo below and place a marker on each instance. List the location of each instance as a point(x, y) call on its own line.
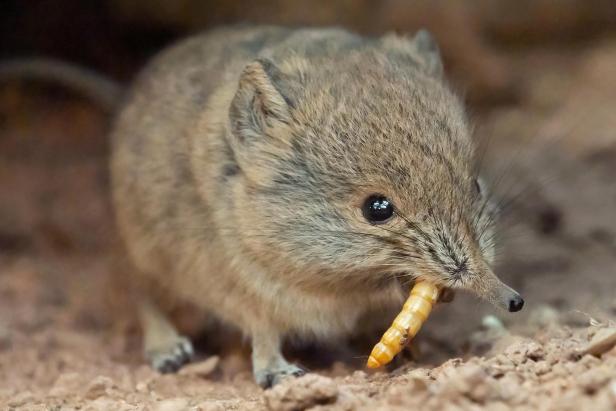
point(361, 167)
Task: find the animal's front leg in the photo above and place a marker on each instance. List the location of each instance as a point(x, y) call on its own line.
point(165, 349)
point(268, 364)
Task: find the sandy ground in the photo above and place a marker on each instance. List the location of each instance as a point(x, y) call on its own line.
point(68, 338)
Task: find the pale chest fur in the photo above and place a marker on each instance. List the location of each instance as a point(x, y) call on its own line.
point(249, 297)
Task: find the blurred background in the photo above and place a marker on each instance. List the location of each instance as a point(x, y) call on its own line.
point(539, 79)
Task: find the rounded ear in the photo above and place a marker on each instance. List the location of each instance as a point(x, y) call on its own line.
point(422, 48)
point(428, 50)
point(259, 107)
point(260, 116)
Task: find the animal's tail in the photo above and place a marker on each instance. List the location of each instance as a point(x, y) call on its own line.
point(105, 91)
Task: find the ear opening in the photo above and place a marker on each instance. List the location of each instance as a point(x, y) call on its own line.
point(259, 105)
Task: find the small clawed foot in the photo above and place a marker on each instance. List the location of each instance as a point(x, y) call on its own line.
point(270, 377)
point(172, 357)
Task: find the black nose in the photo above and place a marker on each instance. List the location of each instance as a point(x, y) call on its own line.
point(516, 304)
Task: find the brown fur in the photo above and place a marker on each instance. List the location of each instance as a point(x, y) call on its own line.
point(240, 164)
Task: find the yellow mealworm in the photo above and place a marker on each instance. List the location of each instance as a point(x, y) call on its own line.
point(406, 325)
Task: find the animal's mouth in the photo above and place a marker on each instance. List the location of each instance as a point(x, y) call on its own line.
point(488, 287)
point(404, 279)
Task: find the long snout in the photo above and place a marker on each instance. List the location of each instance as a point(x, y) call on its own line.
point(491, 288)
point(507, 298)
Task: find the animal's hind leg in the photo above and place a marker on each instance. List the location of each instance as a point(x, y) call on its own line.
point(164, 348)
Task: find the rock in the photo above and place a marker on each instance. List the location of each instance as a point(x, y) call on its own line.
point(492, 322)
point(201, 369)
point(603, 341)
point(301, 393)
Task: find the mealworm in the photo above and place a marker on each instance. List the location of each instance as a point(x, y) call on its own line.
point(406, 325)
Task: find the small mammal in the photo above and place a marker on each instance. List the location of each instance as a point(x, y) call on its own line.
point(289, 181)
point(280, 179)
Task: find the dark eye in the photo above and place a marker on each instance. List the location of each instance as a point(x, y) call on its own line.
point(377, 209)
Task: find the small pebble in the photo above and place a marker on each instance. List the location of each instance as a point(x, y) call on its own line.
point(492, 322)
point(603, 341)
point(203, 368)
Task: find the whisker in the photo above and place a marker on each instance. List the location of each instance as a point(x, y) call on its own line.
point(403, 254)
